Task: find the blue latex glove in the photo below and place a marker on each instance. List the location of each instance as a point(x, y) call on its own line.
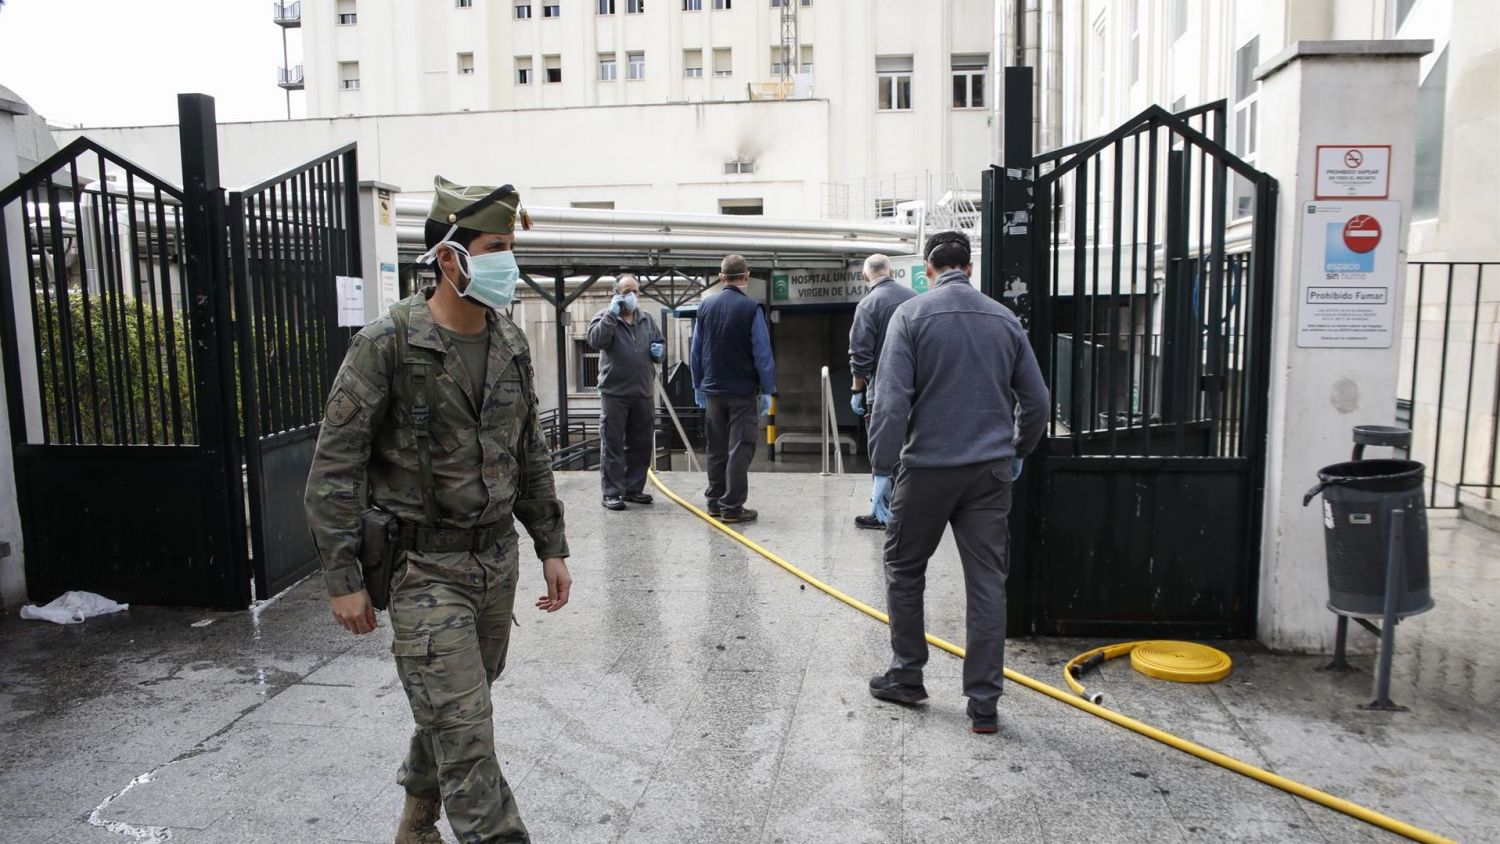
point(880, 497)
point(617, 304)
point(765, 405)
point(700, 399)
point(1015, 468)
point(857, 404)
point(656, 350)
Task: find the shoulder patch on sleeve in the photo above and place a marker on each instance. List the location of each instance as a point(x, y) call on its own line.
point(342, 406)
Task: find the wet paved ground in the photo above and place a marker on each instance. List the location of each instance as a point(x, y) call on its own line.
point(694, 692)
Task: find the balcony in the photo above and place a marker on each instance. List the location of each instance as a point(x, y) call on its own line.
point(288, 15)
point(290, 78)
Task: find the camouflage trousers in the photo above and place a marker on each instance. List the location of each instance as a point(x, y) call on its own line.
point(451, 629)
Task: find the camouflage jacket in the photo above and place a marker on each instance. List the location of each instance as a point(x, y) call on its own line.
point(368, 437)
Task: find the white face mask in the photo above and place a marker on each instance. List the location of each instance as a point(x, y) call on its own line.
point(493, 277)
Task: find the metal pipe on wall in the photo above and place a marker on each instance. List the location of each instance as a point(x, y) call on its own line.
point(414, 209)
point(412, 235)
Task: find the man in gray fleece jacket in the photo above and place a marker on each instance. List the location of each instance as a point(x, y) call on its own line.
point(955, 368)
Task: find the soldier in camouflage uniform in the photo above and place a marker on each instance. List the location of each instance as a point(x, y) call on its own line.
point(432, 420)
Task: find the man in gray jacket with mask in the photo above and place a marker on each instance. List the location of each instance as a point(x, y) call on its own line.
point(866, 339)
point(955, 368)
point(629, 346)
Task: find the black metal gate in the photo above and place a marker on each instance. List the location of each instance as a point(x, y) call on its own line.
point(290, 237)
point(1141, 262)
point(161, 344)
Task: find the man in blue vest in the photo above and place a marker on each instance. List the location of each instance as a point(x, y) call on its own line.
point(731, 362)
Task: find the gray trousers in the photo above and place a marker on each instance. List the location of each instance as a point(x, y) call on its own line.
point(625, 426)
point(733, 423)
point(975, 500)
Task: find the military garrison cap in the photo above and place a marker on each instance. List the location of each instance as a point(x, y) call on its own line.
point(482, 208)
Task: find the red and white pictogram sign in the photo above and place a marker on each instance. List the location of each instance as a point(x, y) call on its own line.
point(1362, 233)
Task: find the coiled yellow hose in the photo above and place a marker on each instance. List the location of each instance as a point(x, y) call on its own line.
point(1164, 659)
point(1306, 792)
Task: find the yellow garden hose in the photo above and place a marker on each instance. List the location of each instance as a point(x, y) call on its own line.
point(1290, 786)
point(1164, 659)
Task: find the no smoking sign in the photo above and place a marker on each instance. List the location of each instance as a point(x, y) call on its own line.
point(1362, 233)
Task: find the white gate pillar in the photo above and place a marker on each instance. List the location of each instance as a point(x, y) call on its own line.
point(1336, 344)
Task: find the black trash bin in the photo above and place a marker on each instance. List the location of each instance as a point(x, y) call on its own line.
point(1358, 498)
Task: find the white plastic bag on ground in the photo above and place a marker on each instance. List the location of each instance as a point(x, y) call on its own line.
point(72, 608)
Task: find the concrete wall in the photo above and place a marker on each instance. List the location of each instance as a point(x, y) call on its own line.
point(555, 157)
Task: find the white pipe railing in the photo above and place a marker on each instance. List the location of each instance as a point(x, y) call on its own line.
point(661, 396)
point(828, 426)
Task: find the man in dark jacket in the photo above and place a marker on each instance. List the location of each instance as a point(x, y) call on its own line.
point(629, 346)
point(731, 360)
point(955, 367)
point(866, 339)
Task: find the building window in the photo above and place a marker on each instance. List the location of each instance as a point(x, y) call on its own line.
point(606, 7)
point(635, 65)
point(553, 67)
point(739, 168)
point(777, 65)
point(807, 58)
point(969, 73)
point(523, 11)
point(586, 365)
point(807, 2)
point(692, 64)
point(723, 4)
point(1432, 103)
point(1179, 18)
point(1135, 41)
point(635, 7)
point(742, 207)
point(1403, 8)
point(465, 4)
point(692, 5)
point(723, 61)
point(1100, 59)
point(465, 64)
point(349, 76)
point(607, 72)
point(598, 205)
point(348, 15)
point(893, 79)
point(1246, 118)
point(887, 207)
point(551, 10)
point(523, 70)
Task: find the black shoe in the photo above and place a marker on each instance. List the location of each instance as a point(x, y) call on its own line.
point(884, 688)
point(613, 502)
point(714, 509)
point(734, 515)
point(638, 498)
point(983, 723)
point(868, 523)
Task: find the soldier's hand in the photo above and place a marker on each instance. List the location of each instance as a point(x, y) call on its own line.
point(354, 611)
point(559, 584)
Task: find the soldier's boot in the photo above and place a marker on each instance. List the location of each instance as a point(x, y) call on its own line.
point(419, 821)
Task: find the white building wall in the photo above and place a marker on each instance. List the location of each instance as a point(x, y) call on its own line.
point(408, 60)
point(555, 157)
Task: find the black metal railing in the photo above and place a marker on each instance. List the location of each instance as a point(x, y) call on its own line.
point(583, 449)
point(1450, 377)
